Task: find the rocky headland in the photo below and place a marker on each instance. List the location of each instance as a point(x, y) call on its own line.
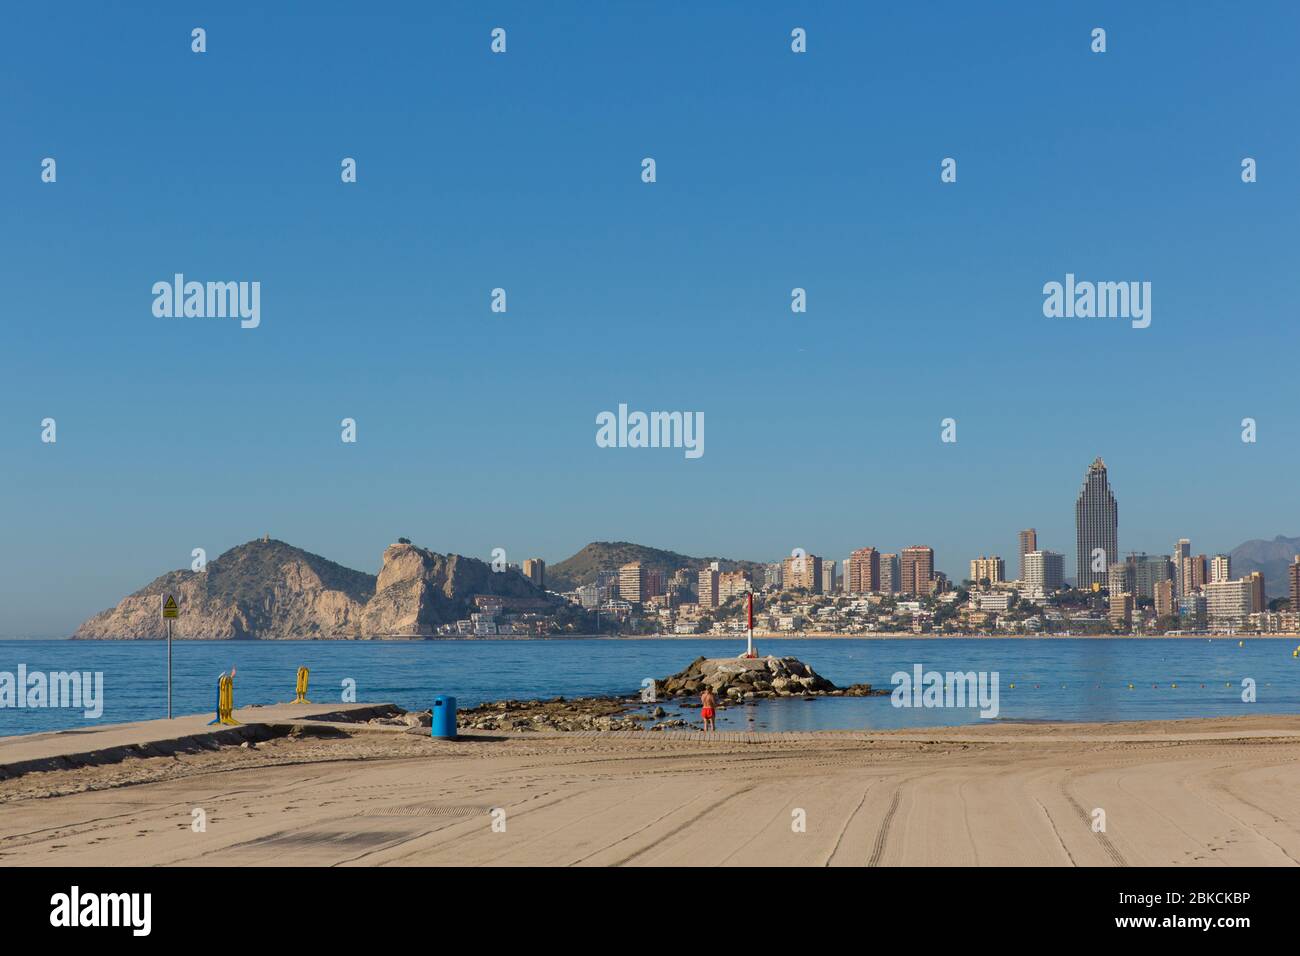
point(267, 589)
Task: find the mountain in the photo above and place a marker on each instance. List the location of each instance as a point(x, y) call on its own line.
point(1270, 557)
point(267, 589)
point(610, 555)
point(418, 589)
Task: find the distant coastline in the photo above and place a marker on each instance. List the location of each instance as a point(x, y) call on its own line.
point(724, 638)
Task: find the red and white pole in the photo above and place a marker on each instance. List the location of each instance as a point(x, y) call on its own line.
point(750, 616)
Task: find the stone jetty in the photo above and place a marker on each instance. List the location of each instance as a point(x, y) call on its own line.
point(751, 678)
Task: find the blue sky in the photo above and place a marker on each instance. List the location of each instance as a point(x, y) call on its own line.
point(775, 170)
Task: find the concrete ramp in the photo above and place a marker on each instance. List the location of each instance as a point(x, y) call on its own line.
point(111, 743)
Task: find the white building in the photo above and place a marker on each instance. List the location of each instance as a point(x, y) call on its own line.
point(1228, 602)
point(1044, 574)
point(992, 600)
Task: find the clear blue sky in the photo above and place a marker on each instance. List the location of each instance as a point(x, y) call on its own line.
point(775, 170)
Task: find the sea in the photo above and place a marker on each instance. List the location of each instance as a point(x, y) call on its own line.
point(1038, 679)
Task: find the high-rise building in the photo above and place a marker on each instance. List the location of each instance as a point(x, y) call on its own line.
point(1220, 568)
point(828, 577)
point(1193, 576)
point(917, 566)
point(608, 580)
point(1148, 571)
point(991, 569)
point(773, 576)
point(802, 571)
point(1044, 573)
point(1028, 542)
point(733, 584)
point(890, 576)
point(652, 585)
point(1191, 610)
point(1096, 525)
point(1293, 577)
point(1164, 598)
point(1182, 550)
point(708, 588)
point(1120, 578)
point(592, 595)
point(1228, 602)
point(631, 582)
point(535, 571)
point(862, 571)
point(1121, 610)
point(683, 582)
point(1258, 600)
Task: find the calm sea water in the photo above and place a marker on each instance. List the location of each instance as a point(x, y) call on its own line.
point(1055, 679)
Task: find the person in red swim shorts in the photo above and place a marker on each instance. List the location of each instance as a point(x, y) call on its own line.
point(707, 704)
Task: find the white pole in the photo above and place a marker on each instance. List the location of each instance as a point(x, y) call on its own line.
point(169, 668)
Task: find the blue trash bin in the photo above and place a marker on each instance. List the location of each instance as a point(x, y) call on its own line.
point(443, 723)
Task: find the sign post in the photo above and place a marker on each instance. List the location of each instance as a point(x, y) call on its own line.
point(169, 612)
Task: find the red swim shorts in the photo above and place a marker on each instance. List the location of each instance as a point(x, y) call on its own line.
point(707, 713)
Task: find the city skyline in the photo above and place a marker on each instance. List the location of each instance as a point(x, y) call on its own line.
point(818, 171)
point(910, 565)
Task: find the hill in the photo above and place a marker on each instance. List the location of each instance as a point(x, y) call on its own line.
point(581, 568)
point(268, 589)
point(1270, 557)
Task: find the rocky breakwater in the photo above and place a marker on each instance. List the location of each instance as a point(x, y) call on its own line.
point(582, 713)
point(751, 678)
point(733, 679)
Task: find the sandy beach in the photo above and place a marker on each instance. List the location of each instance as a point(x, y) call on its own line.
point(1197, 792)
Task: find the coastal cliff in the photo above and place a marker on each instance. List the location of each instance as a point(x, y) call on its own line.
point(268, 590)
point(418, 589)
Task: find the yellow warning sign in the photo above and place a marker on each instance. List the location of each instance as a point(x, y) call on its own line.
point(169, 607)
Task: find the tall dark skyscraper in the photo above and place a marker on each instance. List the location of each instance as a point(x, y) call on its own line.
point(1096, 525)
point(1028, 542)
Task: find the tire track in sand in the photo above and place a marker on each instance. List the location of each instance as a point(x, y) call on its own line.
point(681, 826)
point(1110, 849)
point(839, 837)
point(878, 848)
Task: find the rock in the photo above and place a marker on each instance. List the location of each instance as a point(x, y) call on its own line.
point(757, 677)
point(669, 724)
point(658, 712)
